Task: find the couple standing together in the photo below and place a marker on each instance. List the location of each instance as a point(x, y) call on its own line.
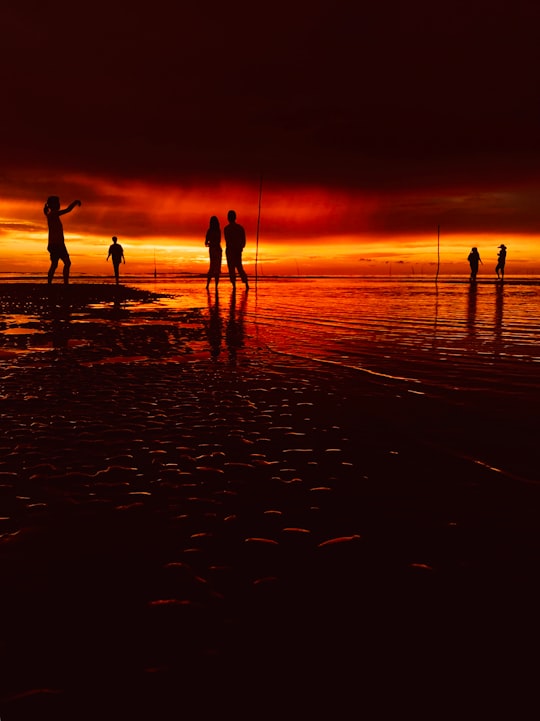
point(235, 241)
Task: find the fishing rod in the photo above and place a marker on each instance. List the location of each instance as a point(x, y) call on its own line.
point(258, 226)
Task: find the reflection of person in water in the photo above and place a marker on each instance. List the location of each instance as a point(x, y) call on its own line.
point(234, 332)
point(60, 317)
point(213, 243)
point(474, 260)
point(214, 326)
point(471, 311)
point(499, 304)
point(116, 252)
point(56, 245)
point(501, 260)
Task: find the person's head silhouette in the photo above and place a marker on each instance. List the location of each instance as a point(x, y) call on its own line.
point(231, 216)
point(53, 202)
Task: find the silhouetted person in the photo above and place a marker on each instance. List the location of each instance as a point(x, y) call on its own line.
point(56, 246)
point(474, 260)
point(501, 260)
point(213, 243)
point(235, 241)
point(116, 253)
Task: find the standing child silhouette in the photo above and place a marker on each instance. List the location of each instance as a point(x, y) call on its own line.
point(56, 246)
point(116, 252)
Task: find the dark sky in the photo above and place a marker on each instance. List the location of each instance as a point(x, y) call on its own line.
point(382, 96)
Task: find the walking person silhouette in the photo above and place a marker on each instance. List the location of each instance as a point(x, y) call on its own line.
point(501, 260)
point(56, 245)
point(116, 252)
point(213, 242)
point(474, 260)
point(235, 241)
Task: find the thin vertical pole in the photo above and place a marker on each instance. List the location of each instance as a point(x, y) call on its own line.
point(438, 251)
point(258, 226)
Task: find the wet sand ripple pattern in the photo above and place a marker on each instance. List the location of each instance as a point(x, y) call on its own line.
point(192, 535)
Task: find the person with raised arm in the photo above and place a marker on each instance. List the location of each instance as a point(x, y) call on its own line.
point(56, 245)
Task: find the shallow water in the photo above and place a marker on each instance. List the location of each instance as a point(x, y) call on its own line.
point(443, 336)
point(449, 334)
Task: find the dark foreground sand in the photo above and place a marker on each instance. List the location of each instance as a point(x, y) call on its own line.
point(185, 539)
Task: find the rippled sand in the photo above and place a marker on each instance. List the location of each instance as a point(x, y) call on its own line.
point(183, 538)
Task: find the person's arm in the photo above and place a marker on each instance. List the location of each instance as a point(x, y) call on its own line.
point(70, 207)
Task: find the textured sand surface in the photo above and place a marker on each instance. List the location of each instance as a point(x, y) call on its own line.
point(182, 538)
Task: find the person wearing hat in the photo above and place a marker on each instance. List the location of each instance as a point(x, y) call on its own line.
point(501, 260)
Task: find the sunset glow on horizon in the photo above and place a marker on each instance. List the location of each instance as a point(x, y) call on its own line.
point(301, 231)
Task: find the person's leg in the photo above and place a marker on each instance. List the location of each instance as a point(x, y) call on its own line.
point(67, 266)
point(231, 267)
point(242, 273)
point(52, 269)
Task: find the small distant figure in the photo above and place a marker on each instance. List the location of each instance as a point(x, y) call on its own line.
point(501, 260)
point(213, 243)
point(235, 241)
point(56, 245)
point(474, 260)
point(116, 252)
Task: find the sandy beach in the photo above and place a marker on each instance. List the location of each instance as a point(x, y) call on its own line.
point(182, 538)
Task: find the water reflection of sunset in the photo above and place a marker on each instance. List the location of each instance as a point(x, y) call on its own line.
point(301, 231)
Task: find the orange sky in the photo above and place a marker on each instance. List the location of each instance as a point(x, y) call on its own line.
point(305, 230)
point(373, 125)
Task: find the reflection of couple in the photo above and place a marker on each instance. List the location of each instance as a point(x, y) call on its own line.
point(234, 328)
point(471, 310)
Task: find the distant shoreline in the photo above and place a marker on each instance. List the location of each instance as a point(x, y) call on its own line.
point(127, 279)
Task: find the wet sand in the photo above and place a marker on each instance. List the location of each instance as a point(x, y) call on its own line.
point(183, 538)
